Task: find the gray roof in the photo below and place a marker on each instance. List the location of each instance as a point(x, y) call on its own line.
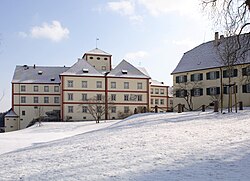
point(82, 68)
point(131, 71)
point(157, 83)
point(204, 56)
point(97, 51)
point(11, 113)
point(37, 74)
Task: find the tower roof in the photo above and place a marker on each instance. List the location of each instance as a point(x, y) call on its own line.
point(97, 51)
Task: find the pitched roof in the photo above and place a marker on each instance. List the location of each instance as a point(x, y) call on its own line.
point(37, 74)
point(202, 57)
point(11, 113)
point(97, 51)
point(82, 68)
point(157, 83)
point(125, 69)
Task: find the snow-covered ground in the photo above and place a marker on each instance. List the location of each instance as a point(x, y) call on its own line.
point(165, 146)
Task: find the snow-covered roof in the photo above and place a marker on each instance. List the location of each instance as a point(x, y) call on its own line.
point(204, 56)
point(82, 68)
point(125, 69)
point(11, 113)
point(156, 83)
point(143, 70)
point(37, 74)
point(97, 51)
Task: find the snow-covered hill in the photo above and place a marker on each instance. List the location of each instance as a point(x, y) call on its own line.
point(169, 146)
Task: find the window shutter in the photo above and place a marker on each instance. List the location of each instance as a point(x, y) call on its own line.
point(192, 77)
point(217, 90)
point(192, 92)
point(177, 79)
point(235, 72)
point(208, 76)
point(201, 92)
point(208, 91)
point(244, 71)
point(185, 93)
point(225, 74)
point(178, 93)
point(201, 76)
point(185, 78)
point(244, 88)
point(225, 90)
point(217, 74)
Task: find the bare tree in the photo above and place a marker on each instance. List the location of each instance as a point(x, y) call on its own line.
point(97, 108)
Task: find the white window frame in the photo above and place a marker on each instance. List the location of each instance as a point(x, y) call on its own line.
point(139, 85)
point(113, 85)
point(70, 97)
point(56, 88)
point(84, 84)
point(126, 85)
point(56, 100)
point(46, 88)
point(70, 83)
point(23, 88)
point(35, 99)
point(98, 84)
point(35, 88)
point(46, 99)
point(23, 99)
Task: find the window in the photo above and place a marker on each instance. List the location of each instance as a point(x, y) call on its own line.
point(126, 97)
point(105, 58)
point(70, 109)
point(99, 109)
point(246, 71)
point(156, 101)
point(113, 109)
point(113, 97)
point(99, 97)
point(84, 84)
point(98, 84)
point(126, 85)
point(151, 91)
point(56, 100)
point(23, 99)
point(90, 57)
point(196, 77)
point(23, 113)
point(246, 88)
point(70, 96)
point(84, 97)
point(35, 99)
point(181, 79)
point(23, 88)
point(213, 90)
point(162, 101)
point(233, 89)
point(46, 99)
point(152, 101)
point(162, 91)
point(156, 91)
point(113, 85)
point(70, 83)
point(126, 109)
point(230, 73)
point(56, 88)
point(98, 58)
point(35, 88)
point(213, 75)
point(197, 92)
point(139, 85)
point(139, 97)
point(181, 93)
point(46, 88)
point(84, 109)
point(103, 67)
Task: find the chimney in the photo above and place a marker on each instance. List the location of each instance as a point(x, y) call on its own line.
point(216, 38)
point(221, 37)
point(34, 66)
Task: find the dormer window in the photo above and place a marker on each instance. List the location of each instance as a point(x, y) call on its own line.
point(124, 72)
point(85, 70)
point(40, 72)
point(52, 79)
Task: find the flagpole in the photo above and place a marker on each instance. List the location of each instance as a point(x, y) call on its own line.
point(96, 41)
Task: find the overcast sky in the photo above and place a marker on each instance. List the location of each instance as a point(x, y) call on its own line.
point(149, 33)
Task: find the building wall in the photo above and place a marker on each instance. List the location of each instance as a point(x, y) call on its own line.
point(28, 110)
point(206, 99)
point(100, 62)
point(11, 123)
point(159, 97)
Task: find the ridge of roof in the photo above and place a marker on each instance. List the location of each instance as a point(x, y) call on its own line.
point(132, 71)
point(97, 51)
point(78, 68)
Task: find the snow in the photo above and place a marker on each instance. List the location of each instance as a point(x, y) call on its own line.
point(163, 146)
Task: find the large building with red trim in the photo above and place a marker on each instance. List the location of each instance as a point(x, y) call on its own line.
point(69, 91)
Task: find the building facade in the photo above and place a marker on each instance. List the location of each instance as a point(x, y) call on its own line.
point(40, 91)
point(201, 78)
